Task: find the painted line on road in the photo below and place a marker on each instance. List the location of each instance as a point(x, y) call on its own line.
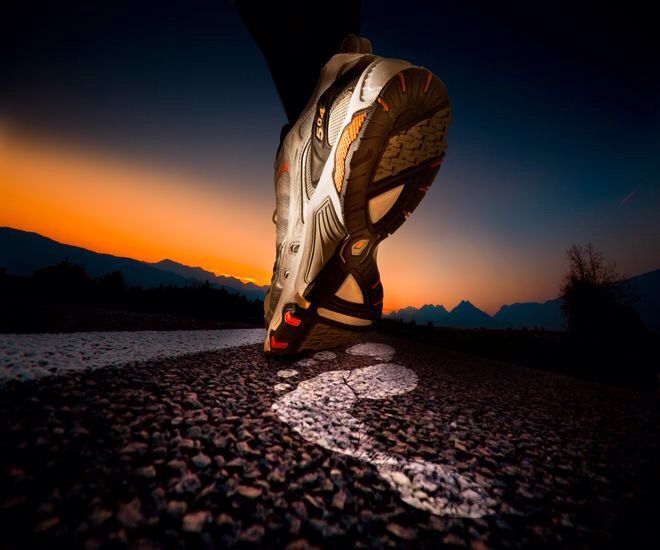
point(32, 356)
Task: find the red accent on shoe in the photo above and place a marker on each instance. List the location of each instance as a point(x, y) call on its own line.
point(282, 169)
point(428, 81)
point(402, 82)
point(277, 345)
point(290, 319)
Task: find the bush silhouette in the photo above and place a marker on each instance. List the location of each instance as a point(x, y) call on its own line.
point(111, 286)
point(606, 335)
point(63, 281)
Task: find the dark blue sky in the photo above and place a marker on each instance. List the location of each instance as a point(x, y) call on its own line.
point(554, 139)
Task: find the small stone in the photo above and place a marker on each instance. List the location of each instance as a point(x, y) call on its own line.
point(147, 471)
point(186, 443)
point(300, 509)
point(175, 464)
point(176, 508)
point(458, 445)
point(317, 502)
point(277, 476)
point(325, 356)
point(47, 524)
point(245, 448)
point(236, 463)
point(189, 483)
point(400, 531)
point(287, 373)
point(220, 442)
point(252, 534)
point(248, 491)
point(99, 516)
point(308, 362)
point(195, 522)
point(282, 387)
point(201, 461)
point(130, 515)
point(158, 498)
point(339, 499)
point(134, 448)
point(298, 544)
point(191, 402)
point(224, 520)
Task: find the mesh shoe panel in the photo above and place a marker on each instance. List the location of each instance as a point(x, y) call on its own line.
point(282, 193)
point(337, 115)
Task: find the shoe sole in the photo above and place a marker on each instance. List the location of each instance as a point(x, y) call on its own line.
point(391, 154)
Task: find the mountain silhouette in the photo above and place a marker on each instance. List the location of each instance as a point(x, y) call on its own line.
point(222, 281)
point(641, 291)
point(427, 313)
point(530, 314)
point(466, 315)
point(23, 252)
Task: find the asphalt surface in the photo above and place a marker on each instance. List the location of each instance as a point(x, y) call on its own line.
point(189, 451)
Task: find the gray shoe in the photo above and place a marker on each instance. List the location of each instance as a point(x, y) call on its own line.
point(348, 173)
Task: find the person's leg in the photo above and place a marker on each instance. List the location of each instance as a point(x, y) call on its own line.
point(296, 44)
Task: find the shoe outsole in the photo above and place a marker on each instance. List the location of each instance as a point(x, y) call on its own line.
point(399, 150)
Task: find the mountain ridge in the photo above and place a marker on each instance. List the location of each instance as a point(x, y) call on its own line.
point(643, 289)
point(23, 252)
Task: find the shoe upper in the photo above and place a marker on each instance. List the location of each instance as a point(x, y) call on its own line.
point(311, 139)
point(306, 188)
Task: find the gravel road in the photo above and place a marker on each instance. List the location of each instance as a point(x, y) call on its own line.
point(191, 451)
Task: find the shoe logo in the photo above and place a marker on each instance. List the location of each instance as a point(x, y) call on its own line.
point(319, 124)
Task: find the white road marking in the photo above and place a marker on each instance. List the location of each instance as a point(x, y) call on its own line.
point(32, 356)
point(305, 362)
point(319, 409)
point(371, 349)
point(325, 356)
point(286, 373)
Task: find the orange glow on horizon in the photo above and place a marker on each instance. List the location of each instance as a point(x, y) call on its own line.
point(150, 213)
point(120, 208)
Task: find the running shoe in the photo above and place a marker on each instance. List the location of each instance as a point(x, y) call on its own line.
point(348, 173)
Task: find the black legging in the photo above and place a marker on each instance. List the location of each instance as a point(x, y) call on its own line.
point(297, 43)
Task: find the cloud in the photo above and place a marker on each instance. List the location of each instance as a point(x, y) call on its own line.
point(629, 196)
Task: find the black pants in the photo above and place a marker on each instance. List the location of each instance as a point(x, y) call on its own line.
point(297, 41)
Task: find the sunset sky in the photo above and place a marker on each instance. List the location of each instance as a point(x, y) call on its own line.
point(150, 132)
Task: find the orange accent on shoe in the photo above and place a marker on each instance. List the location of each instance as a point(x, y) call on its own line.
point(290, 319)
point(428, 81)
point(348, 136)
point(378, 303)
point(375, 285)
point(274, 344)
point(302, 302)
point(402, 82)
point(436, 163)
point(384, 105)
point(282, 169)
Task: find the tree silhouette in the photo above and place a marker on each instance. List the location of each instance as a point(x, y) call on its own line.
point(590, 291)
point(63, 281)
point(606, 336)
